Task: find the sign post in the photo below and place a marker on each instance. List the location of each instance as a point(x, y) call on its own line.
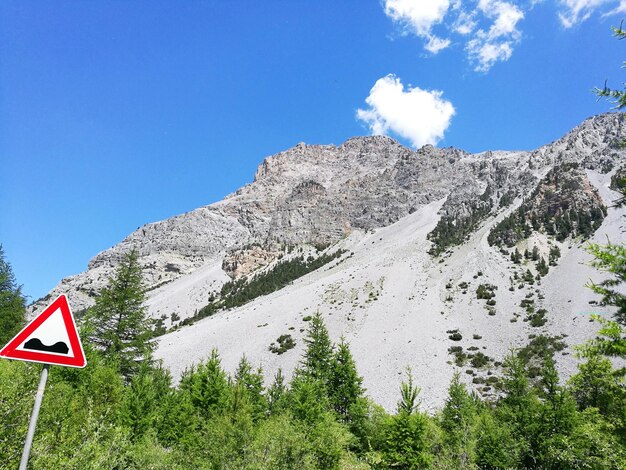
point(50, 338)
point(33, 417)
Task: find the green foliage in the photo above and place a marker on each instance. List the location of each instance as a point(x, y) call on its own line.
point(542, 267)
point(458, 420)
point(454, 335)
point(552, 209)
point(486, 291)
point(18, 383)
point(250, 382)
point(496, 446)
point(460, 357)
point(538, 318)
point(281, 443)
point(12, 302)
point(94, 418)
point(612, 259)
point(598, 385)
point(207, 386)
point(516, 256)
point(317, 362)
point(140, 408)
point(528, 277)
point(236, 293)
point(454, 230)
point(405, 444)
point(538, 350)
point(618, 183)
point(118, 324)
point(285, 343)
point(555, 254)
point(617, 96)
point(479, 360)
point(346, 391)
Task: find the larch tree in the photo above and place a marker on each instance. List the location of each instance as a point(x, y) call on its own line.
point(318, 357)
point(345, 385)
point(118, 322)
point(12, 302)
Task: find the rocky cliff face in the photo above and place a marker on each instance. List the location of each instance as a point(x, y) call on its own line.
point(319, 194)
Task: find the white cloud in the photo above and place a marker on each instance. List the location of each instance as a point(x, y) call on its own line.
point(436, 44)
point(464, 23)
point(419, 17)
point(574, 12)
point(496, 43)
point(488, 27)
point(421, 116)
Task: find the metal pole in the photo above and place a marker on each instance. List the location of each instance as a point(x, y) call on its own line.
point(33, 417)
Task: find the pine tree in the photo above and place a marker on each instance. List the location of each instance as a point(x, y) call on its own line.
point(405, 435)
point(458, 420)
point(542, 267)
point(345, 385)
point(308, 399)
point(118, 322)
point(276, 394)
point(251, 383)
point(611, 258)
point(496, 446)
point(12, 302)
point(143, 397)
point(597, 385)
point(318, 357)
point(618, 96)
point(207, 385)
point(555, 254)
point(408, 402)
point(557, 413)
point(535, 253)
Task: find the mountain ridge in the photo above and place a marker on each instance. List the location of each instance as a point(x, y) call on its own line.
point(340, 197)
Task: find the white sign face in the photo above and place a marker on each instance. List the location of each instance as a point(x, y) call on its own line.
point(51, 337)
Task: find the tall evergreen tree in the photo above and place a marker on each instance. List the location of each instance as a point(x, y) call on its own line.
point(207, 385)
point(518, 407)
point(556, 416)
point(251, 382)
point(458, 420)
point(12, 302)
point(318, 356)
point(611, 258)
point(143, 398)
point(405, 444)
point(276, 394)
point(345, 384)
point(118, 322)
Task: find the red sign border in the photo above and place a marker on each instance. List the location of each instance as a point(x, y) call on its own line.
point(10, 351)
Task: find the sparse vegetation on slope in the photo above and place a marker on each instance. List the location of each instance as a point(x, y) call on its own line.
point(241, 291)
point(454, 229)
point(321, 418)
point(283, 344)
point(562, 205)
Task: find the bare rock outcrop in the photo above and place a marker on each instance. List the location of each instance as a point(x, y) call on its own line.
point(318, 194)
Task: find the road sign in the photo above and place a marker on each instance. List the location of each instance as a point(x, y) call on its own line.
point(50, 338)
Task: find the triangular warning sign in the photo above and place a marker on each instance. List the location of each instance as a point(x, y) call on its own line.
point(50, 338)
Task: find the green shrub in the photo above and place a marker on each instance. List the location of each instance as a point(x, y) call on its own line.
point(285, 343)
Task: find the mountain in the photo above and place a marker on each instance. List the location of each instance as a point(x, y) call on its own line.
point(436, 259)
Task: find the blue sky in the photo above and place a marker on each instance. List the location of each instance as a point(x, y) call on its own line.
point(114, 114)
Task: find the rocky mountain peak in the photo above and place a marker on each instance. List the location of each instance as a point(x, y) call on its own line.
point(320, 194)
